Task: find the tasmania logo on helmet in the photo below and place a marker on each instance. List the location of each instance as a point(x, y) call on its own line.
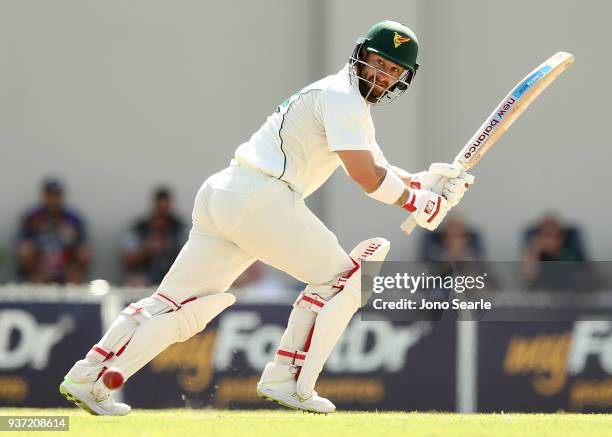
point(398, 39)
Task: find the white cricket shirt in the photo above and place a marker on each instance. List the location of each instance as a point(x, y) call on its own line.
point(297, 143)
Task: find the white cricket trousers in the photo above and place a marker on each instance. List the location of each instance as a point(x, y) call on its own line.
point(241, 215)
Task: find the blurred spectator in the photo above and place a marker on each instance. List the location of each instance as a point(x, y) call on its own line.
point(260, 284)
point(547, 240)
point(52, 241)
point(3, 263)
point(454, 250)
point(153, 242)
point(554, 257)
point(454, 241)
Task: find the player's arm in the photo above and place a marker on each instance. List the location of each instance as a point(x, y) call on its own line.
point(403, 174)
point(349, 132)
point(369, 173)
point(383, 184)
point(363, 169)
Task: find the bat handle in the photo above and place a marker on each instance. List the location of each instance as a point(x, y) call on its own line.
point(408, 225)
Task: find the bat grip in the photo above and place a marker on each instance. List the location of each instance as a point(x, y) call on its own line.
point(408, 225)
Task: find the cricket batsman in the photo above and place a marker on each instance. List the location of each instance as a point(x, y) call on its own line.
point(254, 210)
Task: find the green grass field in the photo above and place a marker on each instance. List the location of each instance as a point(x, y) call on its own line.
point(288, 423)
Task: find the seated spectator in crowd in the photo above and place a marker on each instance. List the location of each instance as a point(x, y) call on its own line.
point(52, 242)
point(554, 257)
point(454, 250)
point(153, 242)
point(453, 241)
point(3, 258)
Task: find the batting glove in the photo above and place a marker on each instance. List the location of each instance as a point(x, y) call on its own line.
point(427, 208)
point(450, 180)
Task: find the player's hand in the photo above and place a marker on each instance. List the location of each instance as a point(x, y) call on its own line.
point(429, 179)
point(450, 180)
point(455, 188)
point(427, 208)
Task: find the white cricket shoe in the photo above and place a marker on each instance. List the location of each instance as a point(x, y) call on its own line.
point(93, 397)
point(278, 384)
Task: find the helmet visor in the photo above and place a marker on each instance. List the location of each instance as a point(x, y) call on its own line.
point(370, 88)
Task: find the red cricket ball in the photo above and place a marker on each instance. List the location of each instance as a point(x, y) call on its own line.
point(112, 378)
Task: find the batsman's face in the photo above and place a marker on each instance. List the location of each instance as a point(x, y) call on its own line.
point(381, 72)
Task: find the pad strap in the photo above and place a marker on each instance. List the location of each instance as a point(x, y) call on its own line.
point(103, 353)
point(311, 302)
point(167, 300)
point(137, 312)
point(295, 358)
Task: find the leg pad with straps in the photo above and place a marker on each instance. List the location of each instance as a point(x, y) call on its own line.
point(161, 331)
point(145, 329)
point(303, 335)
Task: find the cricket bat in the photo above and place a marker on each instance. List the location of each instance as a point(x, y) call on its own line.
point(508, 110)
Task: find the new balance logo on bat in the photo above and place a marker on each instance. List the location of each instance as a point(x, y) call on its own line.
point(484, 134)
